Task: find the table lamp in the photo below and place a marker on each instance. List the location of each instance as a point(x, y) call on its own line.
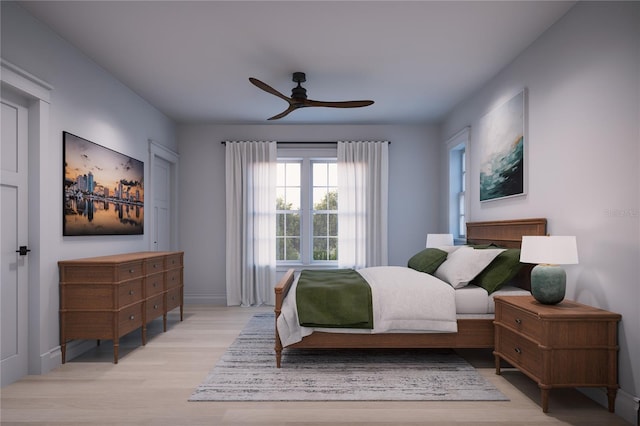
point(438, 240)
point(548, 280)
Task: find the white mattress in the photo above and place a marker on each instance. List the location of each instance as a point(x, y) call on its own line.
point(472, 299)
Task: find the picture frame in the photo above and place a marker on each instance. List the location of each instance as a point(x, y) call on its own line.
point(103, 190)
point(502, 140)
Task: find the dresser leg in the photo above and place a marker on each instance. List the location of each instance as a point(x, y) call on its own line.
point(63, 349)
point(116, 345)
point(611, 395)
point(545, 399)
point(497, 361)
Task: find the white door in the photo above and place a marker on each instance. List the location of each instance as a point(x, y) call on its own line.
point(162, 204)
point(13, 229)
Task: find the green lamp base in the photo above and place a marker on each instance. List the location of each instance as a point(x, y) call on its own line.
point(548, 284)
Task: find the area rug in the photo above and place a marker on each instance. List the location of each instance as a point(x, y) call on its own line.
point(247, 372)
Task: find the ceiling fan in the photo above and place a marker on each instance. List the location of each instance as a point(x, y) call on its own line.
point(299, 99)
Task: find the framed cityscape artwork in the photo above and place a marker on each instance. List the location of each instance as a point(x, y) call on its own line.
point(103, 190)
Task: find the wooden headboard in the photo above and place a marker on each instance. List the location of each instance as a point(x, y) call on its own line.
point(507, 233)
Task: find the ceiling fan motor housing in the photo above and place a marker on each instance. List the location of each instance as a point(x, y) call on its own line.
point(299, 92)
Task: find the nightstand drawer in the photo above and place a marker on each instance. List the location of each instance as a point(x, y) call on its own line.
point(519, 351)
point(519, 320)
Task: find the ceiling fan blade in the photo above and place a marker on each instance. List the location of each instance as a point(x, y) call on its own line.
point(340, 104)
point(291, 108)
point(268, 89)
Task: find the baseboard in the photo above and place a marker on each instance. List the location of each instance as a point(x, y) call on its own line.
point(205, 299)
point(50, 360)
point(627, 405)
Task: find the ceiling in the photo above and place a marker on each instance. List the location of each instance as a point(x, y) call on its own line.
point(192, 59)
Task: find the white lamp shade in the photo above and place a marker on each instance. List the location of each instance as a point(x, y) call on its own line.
point(438, 240)
point(551, 250)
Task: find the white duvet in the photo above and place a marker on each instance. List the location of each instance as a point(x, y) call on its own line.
point(404, 300)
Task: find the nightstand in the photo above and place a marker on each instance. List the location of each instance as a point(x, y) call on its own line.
point(563, 345)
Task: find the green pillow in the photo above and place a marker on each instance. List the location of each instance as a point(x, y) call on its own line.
point(427, 260)
point(500, 271)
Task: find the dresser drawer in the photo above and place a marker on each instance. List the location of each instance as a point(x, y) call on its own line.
point(129, 292)
point(519, 351)
point(129, 319)
point(155, 307)
point(81, 296)
point(154, 284)
point(517, 319)
point(154, 265)
point(174, 298)
point(173, 261)
point(129, 270)
point(174, 278)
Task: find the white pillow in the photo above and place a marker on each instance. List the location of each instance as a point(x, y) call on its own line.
point(448, 249)
point(465, 264)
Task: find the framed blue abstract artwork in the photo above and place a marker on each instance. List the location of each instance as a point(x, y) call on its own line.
point(502, 139)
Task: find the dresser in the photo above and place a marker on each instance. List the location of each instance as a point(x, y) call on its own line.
point(107, 297)
point(563, 345)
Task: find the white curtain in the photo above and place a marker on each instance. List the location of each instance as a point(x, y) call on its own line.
point(363, 173)
point(251, 169)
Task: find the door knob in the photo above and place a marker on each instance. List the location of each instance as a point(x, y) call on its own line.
point(23, 250)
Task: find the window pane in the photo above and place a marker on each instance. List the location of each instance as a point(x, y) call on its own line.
point(280, 181)
point(280, 249)
point(292, 198)
point(333, 174)
point(320, 224)
point(292, 249)
point(333, 225)
point(293, 174)
point(332, 200)
point(292, 224)
point(280, 199)
point(319, 198)
point(320, 174)
point(333, 249)
point(279, 225)
point(320, 249)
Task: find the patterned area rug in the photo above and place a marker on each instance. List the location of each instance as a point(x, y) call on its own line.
point(247, 372)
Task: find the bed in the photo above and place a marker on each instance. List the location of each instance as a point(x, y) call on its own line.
point(472, 331)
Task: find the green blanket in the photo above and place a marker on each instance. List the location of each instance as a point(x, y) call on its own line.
point(338, 298)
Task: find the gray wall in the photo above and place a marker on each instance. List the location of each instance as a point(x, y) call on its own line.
point(90, 103)
point(583, 81)
point(413, 191)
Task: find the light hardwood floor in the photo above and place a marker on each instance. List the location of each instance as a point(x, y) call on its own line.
point(150, 386)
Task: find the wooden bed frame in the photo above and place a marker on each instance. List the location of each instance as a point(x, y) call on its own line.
point(472, 332)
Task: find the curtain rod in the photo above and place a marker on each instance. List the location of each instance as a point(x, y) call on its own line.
point(302, 142)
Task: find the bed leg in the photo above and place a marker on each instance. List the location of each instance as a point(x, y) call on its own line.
point(278, 347)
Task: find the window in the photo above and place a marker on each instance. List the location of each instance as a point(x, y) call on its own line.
point(288, 197)
point(307, 206)
point(325, 210)
point(462, 168)
point(457, 148)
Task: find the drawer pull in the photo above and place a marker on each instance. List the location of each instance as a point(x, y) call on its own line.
point(131, 271)
point(155, 266)
point(155, 306)
point(131, 292)
point(132, 317)
point(518, 321)
point(518, 350)
point(155, 284)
